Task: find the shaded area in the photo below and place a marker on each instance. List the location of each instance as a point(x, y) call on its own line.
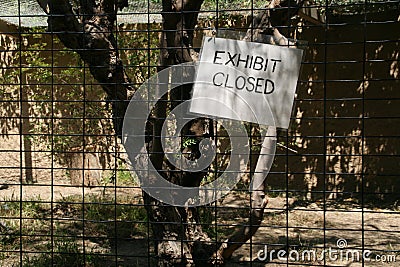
point(346, 113)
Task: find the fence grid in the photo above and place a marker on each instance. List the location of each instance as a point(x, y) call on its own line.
point(69, 197)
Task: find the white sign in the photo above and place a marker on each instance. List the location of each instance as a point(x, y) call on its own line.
point(254, 82)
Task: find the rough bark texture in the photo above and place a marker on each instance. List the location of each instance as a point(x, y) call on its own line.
point(178, 244)
point(89, 31)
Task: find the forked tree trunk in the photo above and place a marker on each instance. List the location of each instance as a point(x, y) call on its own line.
point(177, 244)
point(177, 231)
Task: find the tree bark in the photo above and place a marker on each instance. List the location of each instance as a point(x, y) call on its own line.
point(25, 131)
point(177, 230)
point(89, 32)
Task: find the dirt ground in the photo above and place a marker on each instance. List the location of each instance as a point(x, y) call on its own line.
point(289, 226)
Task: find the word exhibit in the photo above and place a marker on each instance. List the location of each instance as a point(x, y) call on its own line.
point(239, 82)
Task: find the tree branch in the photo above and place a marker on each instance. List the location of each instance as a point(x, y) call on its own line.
point(94, 41)
point(262, 25)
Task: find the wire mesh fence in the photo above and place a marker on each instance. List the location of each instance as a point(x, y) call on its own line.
point(69, 196)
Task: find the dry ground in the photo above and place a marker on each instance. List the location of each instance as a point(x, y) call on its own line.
point(288, 224)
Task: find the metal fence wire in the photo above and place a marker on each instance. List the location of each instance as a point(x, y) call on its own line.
point(71, 194)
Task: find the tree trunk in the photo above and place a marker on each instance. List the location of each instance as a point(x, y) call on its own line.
point(177, 230)
point(89, 31)
point(25, 131)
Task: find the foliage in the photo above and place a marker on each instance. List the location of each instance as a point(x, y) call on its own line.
point(354, 6)
point(210, 4)
point(233, 5)
point(135, 45)
point(64, 102)
point(67, 109)
point(33, 212)
point(102, 211)
point(334, 6)
point(66, 252)
point(104, 217)
point(189, 141)
point(124, 176)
